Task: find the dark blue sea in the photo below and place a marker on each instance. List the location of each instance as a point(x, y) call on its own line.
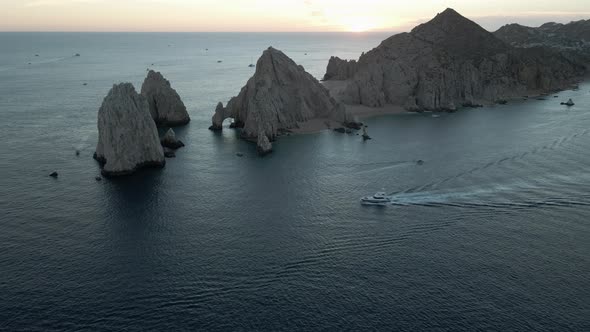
point(491, 233)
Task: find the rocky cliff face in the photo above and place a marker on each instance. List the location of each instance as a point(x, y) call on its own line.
point(448, 62)
point(278, 96)
point(127, 135)
point(339, 69)
point(166, 107)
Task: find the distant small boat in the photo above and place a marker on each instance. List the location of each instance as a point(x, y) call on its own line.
point(569, 103)
point(379, 198)
point(251, 65)
point(219, 61)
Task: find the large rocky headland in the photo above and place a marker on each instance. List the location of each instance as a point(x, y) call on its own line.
point(447, 63)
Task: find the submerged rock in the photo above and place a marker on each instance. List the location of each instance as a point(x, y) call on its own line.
point(165, 105)
point(169, 140)
point(127, 135)
point(278, 96)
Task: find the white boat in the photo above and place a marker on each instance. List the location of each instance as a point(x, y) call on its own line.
point(379, 198)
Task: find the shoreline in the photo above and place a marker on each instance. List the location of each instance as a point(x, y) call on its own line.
point(356, 112)
point(360, 112)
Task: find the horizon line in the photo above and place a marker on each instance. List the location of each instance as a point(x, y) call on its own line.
point(133, 31)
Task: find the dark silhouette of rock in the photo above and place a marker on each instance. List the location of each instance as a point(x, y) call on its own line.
point(54, 175)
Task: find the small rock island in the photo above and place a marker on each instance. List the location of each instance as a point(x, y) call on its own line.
point(279, 97)
point(127, 135)
point(166, 107)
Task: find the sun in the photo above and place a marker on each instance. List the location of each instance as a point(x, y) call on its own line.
point(358, 24)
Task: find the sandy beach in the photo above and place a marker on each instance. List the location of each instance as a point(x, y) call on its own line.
point(354, 112)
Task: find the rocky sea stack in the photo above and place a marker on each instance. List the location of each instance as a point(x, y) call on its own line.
point(170, 141)
point(127, 135)
point(448, 62)
point(280, 95)
point(165, 105)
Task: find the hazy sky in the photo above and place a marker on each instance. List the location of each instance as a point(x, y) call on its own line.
point(271, 15)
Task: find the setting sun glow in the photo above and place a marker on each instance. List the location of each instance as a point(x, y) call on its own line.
point(266, 15)
point(359, 24)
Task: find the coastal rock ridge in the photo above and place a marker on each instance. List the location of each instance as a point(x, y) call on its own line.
point(447, 62)
point(165, 105)
point(127, 135)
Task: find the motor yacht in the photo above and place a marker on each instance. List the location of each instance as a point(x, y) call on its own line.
point(379, 198)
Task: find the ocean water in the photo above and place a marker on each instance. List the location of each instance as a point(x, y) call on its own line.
point(492, 232)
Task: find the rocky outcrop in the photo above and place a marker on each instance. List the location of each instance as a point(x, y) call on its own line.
point(452, 61)
point(169, 140)
point(218, 118)
point(263, 145)
point(339, 69)
point(127, 135)
point(166, 107)
point(280, 95)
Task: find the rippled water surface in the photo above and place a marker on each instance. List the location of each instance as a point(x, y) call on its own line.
point(492, 232)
